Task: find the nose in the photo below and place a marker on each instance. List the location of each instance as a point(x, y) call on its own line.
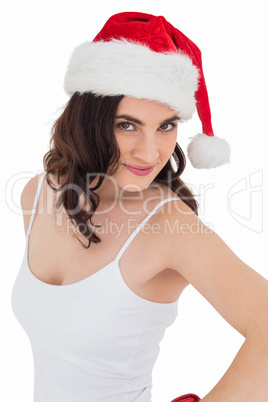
point(146, 149)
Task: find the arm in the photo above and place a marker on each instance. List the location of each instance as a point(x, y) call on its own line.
point(236, 291)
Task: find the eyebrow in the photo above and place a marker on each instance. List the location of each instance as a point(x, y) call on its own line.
point(134, 120)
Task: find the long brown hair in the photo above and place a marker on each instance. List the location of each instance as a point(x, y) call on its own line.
point(83, 144)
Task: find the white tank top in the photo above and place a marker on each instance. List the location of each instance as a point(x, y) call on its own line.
point(94, 340)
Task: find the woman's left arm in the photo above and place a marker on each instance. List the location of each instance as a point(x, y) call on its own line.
point(236, 291)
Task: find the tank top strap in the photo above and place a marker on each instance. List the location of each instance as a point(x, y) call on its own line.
point(140, 226)
point(35, 201)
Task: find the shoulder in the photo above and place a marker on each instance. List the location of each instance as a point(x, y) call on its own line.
point(175, 210)
point(172, 221)
point(28, 193)
point(184, 234)
point(181, 213)
point(27, 199)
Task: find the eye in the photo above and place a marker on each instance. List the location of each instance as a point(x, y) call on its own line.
point(125, 126)
point(167, 127)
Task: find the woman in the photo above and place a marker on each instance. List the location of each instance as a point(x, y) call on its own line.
point(116, 237)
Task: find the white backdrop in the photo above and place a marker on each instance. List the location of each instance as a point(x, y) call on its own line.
point(37, 40)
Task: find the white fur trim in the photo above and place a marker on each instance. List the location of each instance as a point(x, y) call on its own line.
point(207, 152)
point(120, 67)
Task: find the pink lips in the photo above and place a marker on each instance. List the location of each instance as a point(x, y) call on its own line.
point(140, 170)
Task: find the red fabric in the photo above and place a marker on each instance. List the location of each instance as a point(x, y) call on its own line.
point(160, 36)
point(187, 398)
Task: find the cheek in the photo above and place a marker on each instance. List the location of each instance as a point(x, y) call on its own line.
point(168, 146)
point(125, 146)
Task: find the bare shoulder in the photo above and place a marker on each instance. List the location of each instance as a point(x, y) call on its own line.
point(28, 193)
point(186, 236)
point(177, 212)
point(27, 199)
point(182, 225)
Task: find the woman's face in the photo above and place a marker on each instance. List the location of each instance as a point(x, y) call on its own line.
point(146, 133)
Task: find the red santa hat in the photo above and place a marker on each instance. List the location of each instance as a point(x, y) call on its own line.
point(145, 57)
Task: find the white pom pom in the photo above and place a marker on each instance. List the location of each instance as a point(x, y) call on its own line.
point(207, 152)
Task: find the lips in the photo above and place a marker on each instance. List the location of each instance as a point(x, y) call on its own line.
point(140, 170)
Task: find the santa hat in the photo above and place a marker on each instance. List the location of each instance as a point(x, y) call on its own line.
point(145, 57)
